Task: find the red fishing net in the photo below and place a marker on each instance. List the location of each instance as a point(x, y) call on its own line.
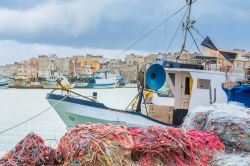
point(96, 144)
point(158, 145)
point(29, 151)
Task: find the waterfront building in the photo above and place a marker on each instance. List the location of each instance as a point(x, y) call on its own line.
point(87, 62)
point(133, 59)
point(238, 58)
point(44, 62)
point(63, 65)
point(10, 69)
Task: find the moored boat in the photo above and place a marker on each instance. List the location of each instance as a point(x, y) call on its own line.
point(52, 83)
point(5, 82)
point(100, 79)
point(187, 93)
point(26, 83)
point(4, 85)
point(74, 111)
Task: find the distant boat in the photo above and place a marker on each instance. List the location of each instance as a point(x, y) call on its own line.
point(4, 85)
point(5, 82)
point(52, 82)
point(101, 79)
point(25, 82)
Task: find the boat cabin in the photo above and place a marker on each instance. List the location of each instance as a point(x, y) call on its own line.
point(193, 86)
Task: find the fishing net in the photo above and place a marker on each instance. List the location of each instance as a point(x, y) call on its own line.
point(96, 144)
point(233, 159)
point(29, 151)
point(158, 145)
point(231, 122)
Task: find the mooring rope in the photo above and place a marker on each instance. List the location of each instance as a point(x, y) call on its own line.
point(33, 117)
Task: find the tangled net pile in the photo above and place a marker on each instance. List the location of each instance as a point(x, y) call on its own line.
point(231, 122)
point(158, 145)
point(29, 151)
point(96, 144)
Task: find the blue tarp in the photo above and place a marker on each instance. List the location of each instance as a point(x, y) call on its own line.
point(239, 93)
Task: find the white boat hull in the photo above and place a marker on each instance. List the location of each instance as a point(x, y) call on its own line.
point(75, 111)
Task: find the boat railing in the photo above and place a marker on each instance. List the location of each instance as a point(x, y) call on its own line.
point(216, 64)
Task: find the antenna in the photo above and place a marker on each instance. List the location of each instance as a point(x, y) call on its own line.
point(186, 26)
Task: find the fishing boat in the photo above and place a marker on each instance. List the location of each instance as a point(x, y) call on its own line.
point(193, 82)
point(5, 82)
point(51, 82)
point(4, 85)
point(100, 79)
point(22, 81)
point(187, 85)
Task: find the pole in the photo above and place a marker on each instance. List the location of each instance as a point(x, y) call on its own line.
point(138, 108)
point(189, 2)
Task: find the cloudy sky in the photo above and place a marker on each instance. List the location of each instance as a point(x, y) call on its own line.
point(69, 27)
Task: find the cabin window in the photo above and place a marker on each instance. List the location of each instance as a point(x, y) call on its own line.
point(172, 77)
point(187, 86)
point(203, 83)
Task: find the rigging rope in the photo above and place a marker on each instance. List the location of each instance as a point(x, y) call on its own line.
point(198, 32)
point(172, 40)
point(149, 32)
point(33, 117)
point(194, 41)
point(165, 35)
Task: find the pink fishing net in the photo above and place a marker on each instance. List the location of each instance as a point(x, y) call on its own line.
point(30, 151)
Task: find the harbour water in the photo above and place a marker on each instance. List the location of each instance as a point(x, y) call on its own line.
point(17, 105)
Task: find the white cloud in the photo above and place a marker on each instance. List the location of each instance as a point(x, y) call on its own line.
point(12, 51)
point(72, 17)
point(76, 17)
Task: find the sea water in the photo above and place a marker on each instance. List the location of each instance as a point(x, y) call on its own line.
point(18, 105)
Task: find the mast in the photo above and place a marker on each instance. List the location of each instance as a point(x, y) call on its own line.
point(188, 24)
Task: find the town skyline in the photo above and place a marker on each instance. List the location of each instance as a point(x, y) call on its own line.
point(105, 55)
point(77, 65)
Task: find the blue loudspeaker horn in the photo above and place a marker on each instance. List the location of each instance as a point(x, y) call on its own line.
point(155, 76)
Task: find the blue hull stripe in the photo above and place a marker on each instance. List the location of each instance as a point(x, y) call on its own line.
point(3, 84)
point(98, 105)
point(76, 101)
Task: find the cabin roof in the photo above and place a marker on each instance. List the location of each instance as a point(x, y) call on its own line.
point(197, 71)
